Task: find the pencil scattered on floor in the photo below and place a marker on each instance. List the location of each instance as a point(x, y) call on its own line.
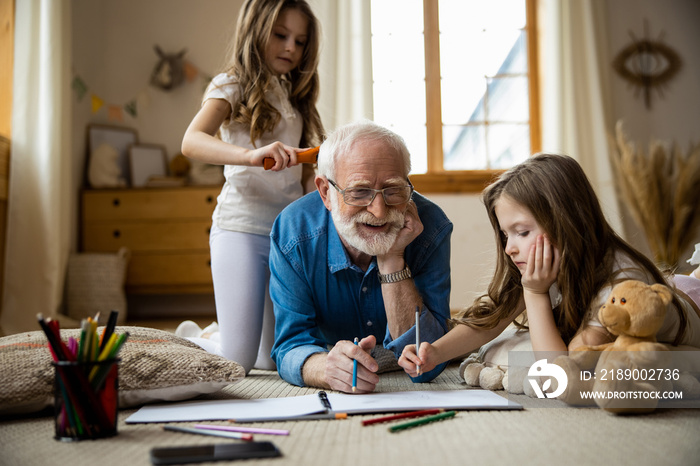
point(422, 421)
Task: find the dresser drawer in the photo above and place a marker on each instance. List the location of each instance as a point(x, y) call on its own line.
point(149, 204)
point(151, 236)
point(169, 269)
point(166, 230)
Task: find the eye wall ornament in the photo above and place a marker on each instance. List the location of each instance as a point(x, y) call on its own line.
point(647, 64)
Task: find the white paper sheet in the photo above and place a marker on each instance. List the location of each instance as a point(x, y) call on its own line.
point(272, 408)
point(417, 400)
point(216, 410)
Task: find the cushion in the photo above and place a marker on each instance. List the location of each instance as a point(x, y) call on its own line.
point(155, 366)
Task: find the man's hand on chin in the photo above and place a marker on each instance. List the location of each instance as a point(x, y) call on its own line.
point(412, 228)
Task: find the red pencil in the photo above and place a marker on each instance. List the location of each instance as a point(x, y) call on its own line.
point(424, 412)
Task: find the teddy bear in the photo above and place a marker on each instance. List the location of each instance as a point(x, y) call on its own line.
point(634, 312)
point(103, 169)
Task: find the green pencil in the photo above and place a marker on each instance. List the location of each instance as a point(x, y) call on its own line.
point(421, 421)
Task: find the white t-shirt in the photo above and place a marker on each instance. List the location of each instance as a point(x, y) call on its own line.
point(625, 269)
point(252, 197)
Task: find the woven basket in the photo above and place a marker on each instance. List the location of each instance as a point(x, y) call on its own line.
point(95, 283)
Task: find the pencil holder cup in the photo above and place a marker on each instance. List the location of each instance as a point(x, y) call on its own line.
point(86, 399)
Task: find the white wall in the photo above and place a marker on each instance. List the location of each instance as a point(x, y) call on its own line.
point(113, 52)
point(675, 117)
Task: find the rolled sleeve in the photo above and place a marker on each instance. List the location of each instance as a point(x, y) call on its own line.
point(290, 364)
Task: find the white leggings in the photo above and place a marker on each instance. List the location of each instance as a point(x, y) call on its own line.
point(241, 274)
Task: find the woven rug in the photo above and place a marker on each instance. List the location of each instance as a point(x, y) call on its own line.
point(535, 435)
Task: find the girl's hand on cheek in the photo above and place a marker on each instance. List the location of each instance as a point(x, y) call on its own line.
point(542, 266)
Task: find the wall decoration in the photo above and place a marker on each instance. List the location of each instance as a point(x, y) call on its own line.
point(146, 161)
point(140, 100)
point(647, 64)
point(661, 188)
point(107, 155)
point(169, 72)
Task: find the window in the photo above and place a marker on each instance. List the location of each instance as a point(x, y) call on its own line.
point(456, 79)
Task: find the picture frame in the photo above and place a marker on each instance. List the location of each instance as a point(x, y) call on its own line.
point(146, 161)
point(118, 137)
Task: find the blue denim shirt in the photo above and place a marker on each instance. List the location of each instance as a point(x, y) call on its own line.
point(320, 297)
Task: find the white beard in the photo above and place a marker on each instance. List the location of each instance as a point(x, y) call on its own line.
point(375, 245)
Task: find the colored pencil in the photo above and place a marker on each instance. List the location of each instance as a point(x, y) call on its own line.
point(83, 412)
point(354, 371)
point(425, 412)
point(417, 334)
point(421, 421)
point(109, 329)
point(213, 433)
point(247, 430)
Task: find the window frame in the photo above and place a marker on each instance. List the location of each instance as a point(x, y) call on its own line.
point(437, 179)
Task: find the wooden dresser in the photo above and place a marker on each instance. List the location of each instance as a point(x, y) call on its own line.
point(166, 230)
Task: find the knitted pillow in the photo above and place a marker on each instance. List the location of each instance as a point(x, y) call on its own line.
point(155, 366)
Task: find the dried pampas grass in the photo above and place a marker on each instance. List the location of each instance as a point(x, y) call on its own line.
point(662, 191)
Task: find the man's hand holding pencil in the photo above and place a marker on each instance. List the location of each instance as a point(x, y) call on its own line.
point(340, 364)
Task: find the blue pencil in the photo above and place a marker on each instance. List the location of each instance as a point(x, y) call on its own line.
point(417, 334)
point(354, 371)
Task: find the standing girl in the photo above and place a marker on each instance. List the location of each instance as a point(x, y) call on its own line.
point(558, 258)
point(262, 105)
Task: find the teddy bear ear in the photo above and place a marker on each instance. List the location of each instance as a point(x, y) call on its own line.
point(663, 291)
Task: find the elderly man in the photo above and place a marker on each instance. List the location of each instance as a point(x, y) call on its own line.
point(355, 259)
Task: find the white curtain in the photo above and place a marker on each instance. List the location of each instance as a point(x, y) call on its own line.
point(39, 199)
point(576, 72)
point(346, 61)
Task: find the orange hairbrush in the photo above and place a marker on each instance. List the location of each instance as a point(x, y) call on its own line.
point(307, 156)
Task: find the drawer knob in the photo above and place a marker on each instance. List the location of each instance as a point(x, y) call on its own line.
point(209, 263)
point(116, 233)
point(116, 202)
point(208, 230)
point(210, 199)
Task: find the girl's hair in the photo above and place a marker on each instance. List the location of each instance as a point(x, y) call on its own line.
point(341, 140)
point(555, 189)
point(247, 63)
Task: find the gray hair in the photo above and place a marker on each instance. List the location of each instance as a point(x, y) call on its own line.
point(343, 138)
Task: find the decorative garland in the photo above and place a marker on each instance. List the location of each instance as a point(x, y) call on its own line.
point(115, 112)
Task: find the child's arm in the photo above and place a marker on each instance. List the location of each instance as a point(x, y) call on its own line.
point(591, 336)
point(200, 142)
point(542, 270)
point(461, 340)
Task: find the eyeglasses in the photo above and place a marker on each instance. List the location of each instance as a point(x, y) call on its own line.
point(362, 197)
